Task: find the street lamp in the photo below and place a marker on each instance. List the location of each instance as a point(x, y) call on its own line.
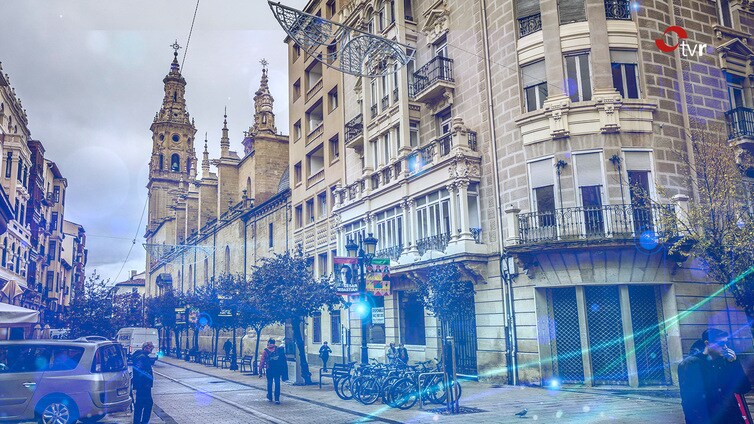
point(364, 252)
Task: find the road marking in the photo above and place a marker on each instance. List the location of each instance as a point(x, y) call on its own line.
point(370, 417)
point(246, 409)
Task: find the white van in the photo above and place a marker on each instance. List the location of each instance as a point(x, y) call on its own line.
point(132, 338)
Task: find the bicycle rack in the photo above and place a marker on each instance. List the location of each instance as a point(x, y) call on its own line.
point(419, 384)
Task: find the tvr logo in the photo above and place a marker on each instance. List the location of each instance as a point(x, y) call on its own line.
point(686, 48)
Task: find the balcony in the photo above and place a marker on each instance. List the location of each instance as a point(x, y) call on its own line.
point(393, 252)
point(529, 25)
point(315, 133)
point(600, 224)
point(373, 111)
point(437, 242)
point(740, 123)
point(432, 80)
point(316, 88)
point(385, 102)
point(618, 10)
point(354, 132)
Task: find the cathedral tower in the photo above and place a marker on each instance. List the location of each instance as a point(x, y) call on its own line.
point(173, 161)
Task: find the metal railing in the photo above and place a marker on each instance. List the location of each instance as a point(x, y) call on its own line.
point(472, 141)
point(618, 9)
point(437, 242)
point(445, 142)
point(476, 233)
point(373, 110)
point(740, 122)
point(395, 94)
point(354, 128)
point(599, 222)
point(438, 69)
point(420, 158)
point(529, 24)
point(393, 252)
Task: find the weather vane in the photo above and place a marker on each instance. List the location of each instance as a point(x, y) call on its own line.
point(264, 63)
point(175, 46)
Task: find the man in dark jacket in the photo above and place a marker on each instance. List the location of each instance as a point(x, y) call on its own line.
point(142, 383)
point(324, 353)
point(709, 381)
point(227, 347)
point(273, 359)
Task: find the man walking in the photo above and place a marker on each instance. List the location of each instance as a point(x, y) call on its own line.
point(709, 381)
point(324, 353)
point(142, 383)
point(273, 359)
point(227, 347)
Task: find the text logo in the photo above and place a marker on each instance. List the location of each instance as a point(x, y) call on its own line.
point(686, 48)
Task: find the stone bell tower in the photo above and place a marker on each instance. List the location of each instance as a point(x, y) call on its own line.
point(173, 162)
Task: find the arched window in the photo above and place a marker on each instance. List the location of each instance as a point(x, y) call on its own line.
point(206, 270)
point(248, 186)
point(5, 252)
point(162, 161)
point(188, 165)
point(227, 259)
point(175, 163)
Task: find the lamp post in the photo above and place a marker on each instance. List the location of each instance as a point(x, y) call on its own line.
point(233, 355)
point(364, 252)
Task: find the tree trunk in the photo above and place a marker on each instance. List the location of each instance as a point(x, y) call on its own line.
point(256, 350)
point(197, 358)
point(177, 333)
point(299, 340)
point(217, 343)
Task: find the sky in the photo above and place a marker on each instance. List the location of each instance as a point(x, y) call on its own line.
point(89, 74)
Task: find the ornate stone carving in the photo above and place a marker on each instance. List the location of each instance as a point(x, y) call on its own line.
point(437, 21)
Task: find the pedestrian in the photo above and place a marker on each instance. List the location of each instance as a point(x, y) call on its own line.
point(402, 355)
point(391, 353)
point(142, 382)
point(324, 353)
point(273, 359)
point(710, 379)
point(227, 347)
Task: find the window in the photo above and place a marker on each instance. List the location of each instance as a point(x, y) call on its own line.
point(227, 260)
point(296, 89)
point(24, 358)
point(175, 163)
point(412, 319)
point(389, 226)
point(723, 13)
point(332, 98)
point(297, 130)
point(270, 236)
point(162, 162)
point(639, 172)
point(297, 173)
point(315, 161)
point(296, 52)
point(534, 79)
point(310, 210)
point(588, 168)
point(65, 358)
point(433, 214)
point(8, 164)
point(334, 148)
point(354, 231)
point(542, 180)
point(391, 11)
point(441, 47)
point(322, 264)
point(578, 77)
point(314, 118)
point(335, 326)
point(299, 216)
point(625, 73)
point(109, 359)
point(413, 133)
point(386, 148)
point(5, 252)
point(571, 11)
point(20, 169)
point(381, 17)
point(407, 10)
point(317, 327)
point(375, 153)
point(313, 74)
point(56, 194)
point(322, 203)
point(330, 9)
point(54, 221)
point(188, 165)
point(374, 96)
point(52, 250)
point(735, 90)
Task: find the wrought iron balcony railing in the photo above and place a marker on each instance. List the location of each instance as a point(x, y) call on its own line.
point(373, 111)
point(395, 94)
point(354, 128)
point(618, 9)
point(437, 242)
point(438, 69)
point(420, 158)
point(393, 252)
point(740, 122)
point(529, 24)
point(385, 102)
point(476, 233)
point(602, 222)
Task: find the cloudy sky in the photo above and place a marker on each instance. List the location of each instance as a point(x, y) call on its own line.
point(89, 74)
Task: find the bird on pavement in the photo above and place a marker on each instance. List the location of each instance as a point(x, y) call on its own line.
point(521, 413)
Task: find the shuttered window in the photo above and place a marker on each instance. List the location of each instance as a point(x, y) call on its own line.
point(638, 161)
point(588, 169)
point(571, 11)
point(541, 173)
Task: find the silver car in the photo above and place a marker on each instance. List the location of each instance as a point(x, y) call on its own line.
point(61, 381)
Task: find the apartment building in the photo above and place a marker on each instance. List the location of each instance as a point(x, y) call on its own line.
point(528, 164)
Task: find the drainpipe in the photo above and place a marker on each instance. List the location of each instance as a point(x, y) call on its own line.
point(507, 288)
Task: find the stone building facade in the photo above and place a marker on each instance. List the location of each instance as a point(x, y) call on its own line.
point(524, 163)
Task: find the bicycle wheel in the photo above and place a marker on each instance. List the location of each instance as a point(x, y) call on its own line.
point(369, 391)
point(387, 397)
point(343, 388)
point(404, 393)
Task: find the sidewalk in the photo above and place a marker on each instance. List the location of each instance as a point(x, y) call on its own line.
point(493, 404)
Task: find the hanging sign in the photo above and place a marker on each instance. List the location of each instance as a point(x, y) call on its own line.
point(180, 316)
point(346, 276)
point(378, 277)
point(193, 315)
point(378, 315)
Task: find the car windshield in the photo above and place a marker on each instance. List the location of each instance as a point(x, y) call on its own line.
point(109, 358)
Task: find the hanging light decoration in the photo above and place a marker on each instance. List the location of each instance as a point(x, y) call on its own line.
point(348, 50)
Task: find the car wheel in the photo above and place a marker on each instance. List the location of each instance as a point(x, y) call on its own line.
point(57, 410)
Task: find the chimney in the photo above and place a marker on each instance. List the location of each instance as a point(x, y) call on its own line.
point(133, 273)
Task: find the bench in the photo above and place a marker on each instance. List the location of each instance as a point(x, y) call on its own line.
point(223, 361)
point(246, 361)
point(337, 371)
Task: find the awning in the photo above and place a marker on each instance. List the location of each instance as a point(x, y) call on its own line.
point(16, 316)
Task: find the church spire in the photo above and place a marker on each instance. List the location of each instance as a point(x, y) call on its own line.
point(205, 159)
point(225, 141)
point(264, 118)
point(174, 104)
